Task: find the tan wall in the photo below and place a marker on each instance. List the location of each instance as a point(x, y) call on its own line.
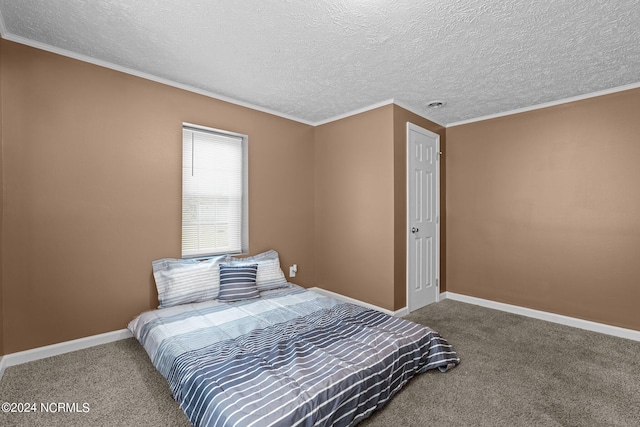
point(400, 119)
point(541, 207)
point(544, 209)
point(354, 211)
point(92, 182)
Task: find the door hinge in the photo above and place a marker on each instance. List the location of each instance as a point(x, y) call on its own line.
point(437, 283)
point(438, 153)
point(437, 219)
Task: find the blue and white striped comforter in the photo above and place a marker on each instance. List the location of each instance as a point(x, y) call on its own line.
point(290, 358)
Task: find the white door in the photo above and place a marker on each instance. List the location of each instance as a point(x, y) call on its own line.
point(423, 217)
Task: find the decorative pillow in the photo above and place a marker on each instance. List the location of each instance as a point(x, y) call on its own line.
point(183, 281)
point(238, 282)
point(270, 276)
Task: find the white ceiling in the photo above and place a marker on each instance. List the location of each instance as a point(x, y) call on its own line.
point(316, 60)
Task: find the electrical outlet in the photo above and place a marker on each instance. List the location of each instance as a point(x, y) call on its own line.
point(293, 270)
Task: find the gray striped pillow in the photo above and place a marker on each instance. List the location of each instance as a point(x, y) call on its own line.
point(238, 282)
point(270, 275)
point(183, 281)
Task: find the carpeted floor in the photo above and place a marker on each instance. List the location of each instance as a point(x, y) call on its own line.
point(515, 371)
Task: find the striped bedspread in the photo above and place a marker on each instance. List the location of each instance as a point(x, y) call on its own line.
point(290, 358)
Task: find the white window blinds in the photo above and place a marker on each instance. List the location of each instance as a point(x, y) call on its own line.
point(214, 190)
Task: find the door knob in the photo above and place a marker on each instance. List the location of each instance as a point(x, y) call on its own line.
point(414, 229)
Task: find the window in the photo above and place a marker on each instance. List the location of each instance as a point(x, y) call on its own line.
point(214, 192)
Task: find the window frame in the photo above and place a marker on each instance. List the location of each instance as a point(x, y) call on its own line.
point(244, 218)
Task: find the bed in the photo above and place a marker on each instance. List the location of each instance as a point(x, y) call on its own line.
point(287, 357)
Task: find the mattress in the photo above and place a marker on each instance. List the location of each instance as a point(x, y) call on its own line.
point(292, 357)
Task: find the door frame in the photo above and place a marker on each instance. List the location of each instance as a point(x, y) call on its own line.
point(411, 126)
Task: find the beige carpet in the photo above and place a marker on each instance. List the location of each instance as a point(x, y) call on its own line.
point(515, 371)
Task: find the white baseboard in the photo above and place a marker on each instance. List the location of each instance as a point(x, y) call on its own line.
point(549, 317)
point(402, 312)
point(3, 366)
point(60, 348)
point(79, 344)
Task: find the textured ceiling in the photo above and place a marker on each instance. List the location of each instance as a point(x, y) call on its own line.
point(315, 60)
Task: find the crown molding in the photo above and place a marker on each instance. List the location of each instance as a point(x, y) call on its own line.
point(3, 27)
point(354, 112)
point(188, 88)
point(63, 52)
point(417, 113)
point(146, 76)
point(548, 104)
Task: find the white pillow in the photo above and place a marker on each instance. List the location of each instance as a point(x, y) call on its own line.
point(183, 281)
point(270, 276)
